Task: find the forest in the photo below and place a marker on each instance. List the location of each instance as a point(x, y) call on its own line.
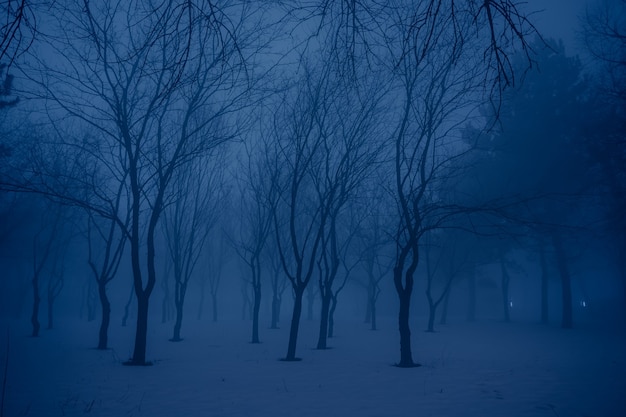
point(346, 207)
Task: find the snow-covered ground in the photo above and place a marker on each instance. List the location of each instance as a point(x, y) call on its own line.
point(482, 369)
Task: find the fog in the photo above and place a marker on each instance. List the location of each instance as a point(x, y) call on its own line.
point(343, 208)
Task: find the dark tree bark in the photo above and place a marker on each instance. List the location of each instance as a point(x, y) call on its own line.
point(331, 315)
point(442, 260)
point(89, 301)
point(403, 273)
point(545, 310)
point(246, 303)
point(567, 321)
point(406, 355)
point(374, 320)
point(187, 222)
point(505, 280)
point(324, 316)
point(42, 250)
point(50, 297)
point(255, 310)
point(295, 325)
point(444, 311)
point(218, 257)
point(34, 318)
point(103, 334)
point(165, 301)
point(141, 332)
point(622, 267)
point(471, 306)
point(279, 284)
point(179, 302)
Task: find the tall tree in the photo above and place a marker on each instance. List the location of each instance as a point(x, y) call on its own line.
point(373, 241)
point(299, 213)
point(348, 155)
point(105, 248)
point(153, 80)
point(255, 225)
point(446, 256)
point(188, 222)
point(48, 243)
point(434, 84)
point(443, 56)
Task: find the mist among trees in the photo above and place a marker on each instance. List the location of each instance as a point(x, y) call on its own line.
point(297, 168)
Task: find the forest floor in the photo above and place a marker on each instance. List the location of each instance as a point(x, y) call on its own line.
point(481, 369)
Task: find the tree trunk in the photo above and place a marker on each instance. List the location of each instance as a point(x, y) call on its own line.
point(255, 313)
point(141, 333)
point(545, 315)
point(368, 305)
point(444, 311)
point(331, 316)
point(214, 306)
point(566, 281)
point(34, 318)
point(506, 279)
point(295, 325)
point(471, 309)
point(179, 302)
point(323, 334)
point(179, 322)
point(275, 311)
point(50, 299)
point(621, 254)
point(432, 310)
point(374, 325)
point(406, 357)
point(103, 338)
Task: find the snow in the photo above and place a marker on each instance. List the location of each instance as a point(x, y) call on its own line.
point(481, 369)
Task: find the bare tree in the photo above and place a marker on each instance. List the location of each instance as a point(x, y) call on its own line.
point(153, 87)
point(188, 221)
point(255, 225)
point(435, 85)
point(348, 123)
point(374, 243)
point(105, 244)
point(218, 256)
point(446, 257)
point(278, 282)
point(349, 258)
point(439, 68)
point(298, 213)
point(46, 244)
